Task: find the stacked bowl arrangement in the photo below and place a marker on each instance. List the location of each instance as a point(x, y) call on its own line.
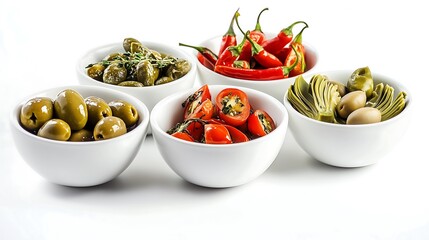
point(223, 131)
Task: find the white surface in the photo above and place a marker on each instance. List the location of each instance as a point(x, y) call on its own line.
point(296, 198)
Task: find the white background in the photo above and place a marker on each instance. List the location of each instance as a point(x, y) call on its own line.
point(296, 198)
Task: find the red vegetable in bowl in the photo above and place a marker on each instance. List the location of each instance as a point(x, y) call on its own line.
point(260, 123)
point(229, 121)
point(229, 38)
point(233, 105)
point(297, 57)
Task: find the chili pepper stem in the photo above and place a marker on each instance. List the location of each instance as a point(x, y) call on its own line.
point(258, 25)
point(199, 49)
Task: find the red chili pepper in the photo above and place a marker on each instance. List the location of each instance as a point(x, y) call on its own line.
point(229, 38)
point(206, 52)
point(277, 43)
point(205, 61)
point(297, 57)
point(263, 57)
point(256, 35)
point(230, 54)
point(282, 54)
point(241, 64)
point(256, 74)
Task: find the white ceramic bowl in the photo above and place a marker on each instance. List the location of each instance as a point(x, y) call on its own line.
point(349, 145)
point(275, 88)
point(149, 95)
point(80, 164)
point(211, 165)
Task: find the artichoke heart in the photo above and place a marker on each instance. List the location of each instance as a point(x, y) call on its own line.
point(383, 99)
point(316, 100)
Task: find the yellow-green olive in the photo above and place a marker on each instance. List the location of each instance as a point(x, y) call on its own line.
point(127, 43)
point(112, 56)
point(97, 109)
point(35, 112)
point(131, 84)
point(83, 135)
point(350, 102)
point(70, 107)
point(109, 127)
point(361, 79)
point(136, 47)
point(364, 115)
point(179, 69)
point(55, 129)
point(163, 80)
point(341, 88)
point(115, 73)
point(126, 111)
point(96, 71)
point(146, 73)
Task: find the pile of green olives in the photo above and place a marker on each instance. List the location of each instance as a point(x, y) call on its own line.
point(359, 101)
point(70, 117)
point(138, 66)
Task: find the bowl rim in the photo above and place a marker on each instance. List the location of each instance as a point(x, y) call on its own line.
point(14, 119)
point(189, 57)
point(375, 74)
point(273, 101)
point(258, 82)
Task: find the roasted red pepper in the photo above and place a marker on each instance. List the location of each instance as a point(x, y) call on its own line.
point(208, 54)
point(297, 57)
point(229, 38)
point(256, 74)
point(277, 43)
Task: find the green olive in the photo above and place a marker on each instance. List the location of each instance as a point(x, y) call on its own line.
point(125, 111)
point(55, 129)
point(156, 54)
point(361, 79)
point(136, 47)
point(147, 73)
point(109, 127)
point(179, 69)
point(340, 87)
point(70, 107)
point(97, 109)
point(113, 56)
point(131, 84)
point(96, 71)
point(127, 43)
point(83, 135)
point(364, 115)
point(35, 112)
point(115, 73)
point(163, 80)
point(350, 102)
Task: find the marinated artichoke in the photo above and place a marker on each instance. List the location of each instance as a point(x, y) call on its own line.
point(316, 100)
point(383, 99)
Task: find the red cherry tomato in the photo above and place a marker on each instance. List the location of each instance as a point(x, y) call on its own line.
point(196, 130)
point(237, 136)
point(204, 111)
point(216, 134)
point(233, 105)
point(183, 136)
point(195, 100)
point(260, 123)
